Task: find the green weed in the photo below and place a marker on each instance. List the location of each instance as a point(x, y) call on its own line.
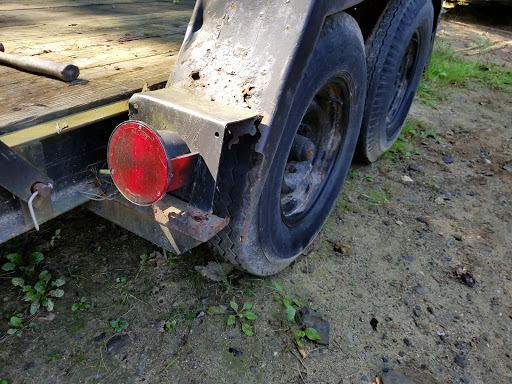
point(377, 198)
point(81, 305)
point(290, 311)
point(144, 258)
point(38, 294)
point(401, 147)
point(16, 326)
point(17, 261)
point(119, 324)
point(241, 314)
point(55, 237)
point(170, 325)
point(309, 333)
point(449, 70)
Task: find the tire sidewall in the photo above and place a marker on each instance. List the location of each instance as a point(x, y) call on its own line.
point(418, 15)
point(337, 55)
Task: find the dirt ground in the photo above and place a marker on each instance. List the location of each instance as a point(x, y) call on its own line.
point(423, 285)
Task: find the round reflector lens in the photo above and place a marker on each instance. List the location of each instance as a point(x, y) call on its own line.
point(138, 163)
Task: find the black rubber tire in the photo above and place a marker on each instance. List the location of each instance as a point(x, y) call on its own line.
point(273, 241)
point(402, 38)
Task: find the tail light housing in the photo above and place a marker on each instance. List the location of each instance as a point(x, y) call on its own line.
point(145, 164)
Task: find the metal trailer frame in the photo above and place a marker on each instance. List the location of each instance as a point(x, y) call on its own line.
point(236, 74)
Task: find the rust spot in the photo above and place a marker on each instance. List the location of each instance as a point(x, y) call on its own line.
point(232, 5)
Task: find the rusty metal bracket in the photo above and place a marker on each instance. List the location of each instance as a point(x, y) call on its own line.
point(170, 223)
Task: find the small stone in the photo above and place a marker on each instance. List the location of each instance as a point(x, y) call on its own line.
point(406, 179)
point(419, 290)
point(254, 370)
point(508, 167)
point(447, 160)
point(460, 347)
point(384, 359)
point(409, 258)
point(413, 167)
point(457, 236)
point(461, 361)
point(392, 212)
point(374, 322)
point(407, 342)
point(421, 219)
point(395, 377)
point(235, 352)
point(417, 312)
point(309, 268)
point(399, 222)
point(100, 337)
point(116, 342)
point(307, 318)
point(344, 249)
point(364, 378)
point(401, 353)
point(430, 310)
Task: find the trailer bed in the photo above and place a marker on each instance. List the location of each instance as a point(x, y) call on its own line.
point(119, 45)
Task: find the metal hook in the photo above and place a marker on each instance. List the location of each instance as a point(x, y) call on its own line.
point(31, 207)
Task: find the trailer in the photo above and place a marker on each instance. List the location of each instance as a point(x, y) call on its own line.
point(228, 122)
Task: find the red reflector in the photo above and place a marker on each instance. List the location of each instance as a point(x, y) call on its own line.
point(138, 162)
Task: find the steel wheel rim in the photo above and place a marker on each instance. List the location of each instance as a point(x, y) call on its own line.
point(324, 124)
point(403, 82)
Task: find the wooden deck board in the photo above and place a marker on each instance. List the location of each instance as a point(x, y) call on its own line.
point(118, 45)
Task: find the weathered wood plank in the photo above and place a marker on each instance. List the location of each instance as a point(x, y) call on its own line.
point(118, 45)
point(9, 5)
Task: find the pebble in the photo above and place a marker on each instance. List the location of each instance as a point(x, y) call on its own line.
point(407, 342)
point(401, 353)
point(395, 377)
point(100, 337)
point(461, 361)
point(307, 318)
point(348, 336)
point(430, 310)
point(309, 268)
point(384, 359)
point(419, 290)
point(413, 167)
point(406, 179)
point(409, 258)
point(460, 347)
point(235, 352)
point(116, 342)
